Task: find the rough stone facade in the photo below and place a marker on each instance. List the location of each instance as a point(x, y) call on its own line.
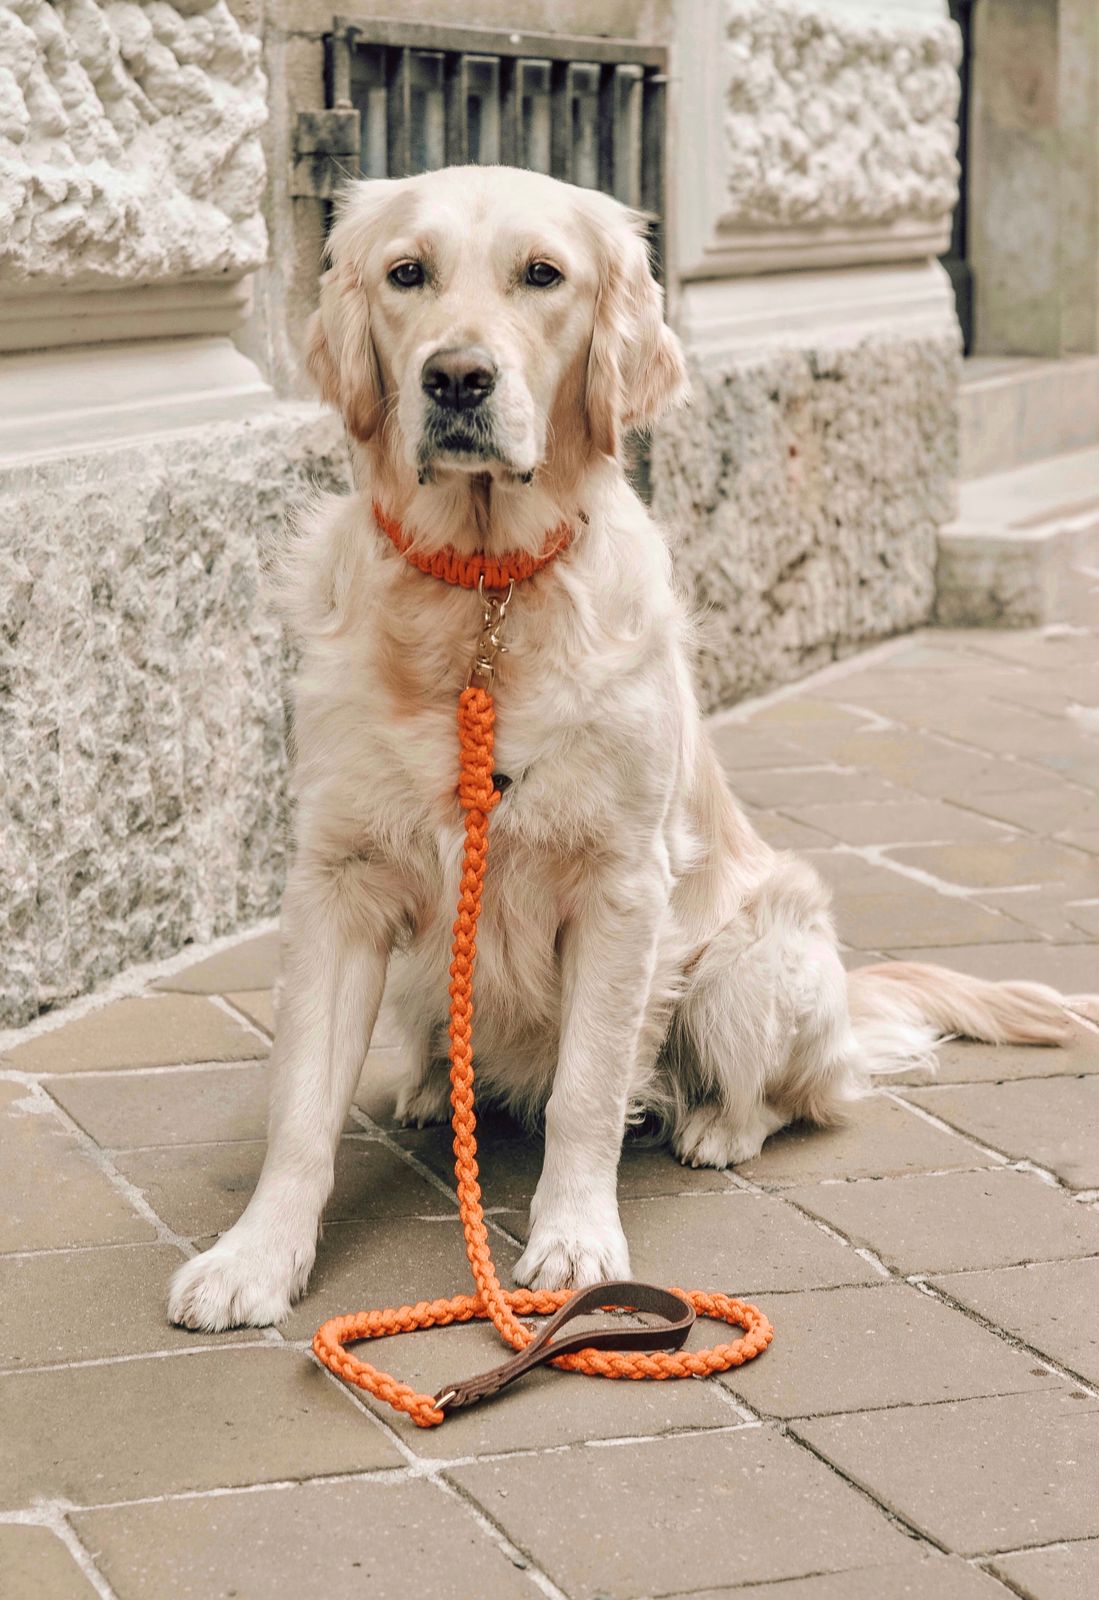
point(129, 142)
point(804, 490)
point(834, 118)
point(142, 698)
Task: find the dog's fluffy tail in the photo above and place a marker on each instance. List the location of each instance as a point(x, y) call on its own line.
point(901, 1010)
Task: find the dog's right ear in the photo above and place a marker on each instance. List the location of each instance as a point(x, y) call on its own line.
point(340, 355)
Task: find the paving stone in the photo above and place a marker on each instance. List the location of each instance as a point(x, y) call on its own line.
point(1053, 807)
point(929, 1577)
point(511, 1162)
point(857, 1349)
point(880, 1138)
point(786, 833)
point(1050, 1305)
point(1053, 1122)
point(81, 1305)
point(1062, 1572)
point(933, 767)
point(962, 1061)
point(738, 1243)
point(741, 745)
point(962, 1219)
point(913, 915)
point(144, 1031)
point(977, 1475)
point(257, 1004)
point(126, 1110)
point(848, 873)
point(342, 1540)
point(54, 1194)
point(35, 1565)
point(680, 1514)
point(388, 1261)
point(544, 1408)
point(251, 964)
point(1071, 967)
point(994, 864)
point(1048, 911)
point(810, 785)
point(898, 822)
point(202, 1189)
point(207, 1420)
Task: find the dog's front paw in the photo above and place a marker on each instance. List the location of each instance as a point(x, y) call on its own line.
point(569, 1254)
point(241, 1282)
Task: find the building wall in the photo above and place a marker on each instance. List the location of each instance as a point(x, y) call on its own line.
point(155, 276)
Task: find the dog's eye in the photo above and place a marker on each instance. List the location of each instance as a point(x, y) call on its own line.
point(541, 275)
point(407, 274)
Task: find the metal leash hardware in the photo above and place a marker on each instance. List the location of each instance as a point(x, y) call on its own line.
point(489, 645)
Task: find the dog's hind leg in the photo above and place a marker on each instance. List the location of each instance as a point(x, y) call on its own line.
point(762, 1036)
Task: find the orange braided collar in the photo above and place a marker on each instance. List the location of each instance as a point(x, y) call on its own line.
point(468, 572)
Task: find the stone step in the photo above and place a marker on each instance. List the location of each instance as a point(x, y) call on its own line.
point(1013, 410)
point(1024, 548)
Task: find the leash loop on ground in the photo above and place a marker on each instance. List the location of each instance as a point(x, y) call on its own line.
point(654, 1351)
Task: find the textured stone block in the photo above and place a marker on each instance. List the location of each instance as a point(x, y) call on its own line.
point(812, 500)
point(1054, 1123)
point(1050, 1305)
point(977, 1475)
point(962, 1219)
point(55, 1195)
point(145, 675)
point(672, 1516)
point(208, 1420)
point(146, 1031)
point(362, 1538)
point(858, 1349)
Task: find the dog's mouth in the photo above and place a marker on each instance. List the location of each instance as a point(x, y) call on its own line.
point(468, 442)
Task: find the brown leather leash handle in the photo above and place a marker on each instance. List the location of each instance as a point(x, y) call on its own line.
point(669, 1334)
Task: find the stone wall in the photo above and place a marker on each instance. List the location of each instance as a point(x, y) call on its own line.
point(129, 142)
point(142, 698)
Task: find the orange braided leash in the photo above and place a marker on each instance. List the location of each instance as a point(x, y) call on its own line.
point(502, 1307)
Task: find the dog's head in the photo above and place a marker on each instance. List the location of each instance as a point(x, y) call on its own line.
point(480, 319)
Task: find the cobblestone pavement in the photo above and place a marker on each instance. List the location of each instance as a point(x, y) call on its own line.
point(926, 1424)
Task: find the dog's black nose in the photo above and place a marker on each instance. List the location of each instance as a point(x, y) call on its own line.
point(459, 379)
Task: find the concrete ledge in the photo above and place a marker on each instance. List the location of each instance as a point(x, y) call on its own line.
point(1015, 410)
point(1012, 557)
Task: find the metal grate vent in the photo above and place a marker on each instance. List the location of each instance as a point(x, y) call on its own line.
point(407, 97)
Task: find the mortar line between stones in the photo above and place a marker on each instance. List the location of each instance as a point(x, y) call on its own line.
point(224, 1004)
point(121, 1184)
point(935, 1291)
point(911, 1529)
point(54, 1518)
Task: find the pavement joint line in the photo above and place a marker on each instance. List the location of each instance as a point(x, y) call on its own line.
point(129, 1357)
point(718, 1428)
point(874, 855)
point(983, 1565)
point(163, 1070)
point(519, 1558)
point(394, 1145)
point(223, 1003)
point(131, 982)
point(933, 1291)
point(1001, 1159)
point(121, 1184)
point(911, 1529)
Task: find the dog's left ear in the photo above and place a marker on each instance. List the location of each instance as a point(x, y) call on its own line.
point(636, 370)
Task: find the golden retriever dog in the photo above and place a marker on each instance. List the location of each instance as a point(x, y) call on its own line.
point(489, 335)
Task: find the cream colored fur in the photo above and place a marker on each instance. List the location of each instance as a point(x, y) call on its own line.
point(640, 946)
